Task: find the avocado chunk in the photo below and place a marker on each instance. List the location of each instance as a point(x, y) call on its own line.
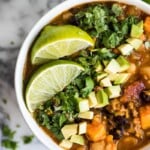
point(78, 139)
point(92, 99)
point(101, 76)
point(66, 144)
point(113, 91)
point(83, 104)
point(69, 130)
point(124, 64)
point(105, 62)
point(137, 30)
point(136, 43)
point(112, 77)
point(121, 78)
point(102, 99)
point(125, 49)
point(112, 67)
point(82, 127)
point(86, 115)
point(105, 82)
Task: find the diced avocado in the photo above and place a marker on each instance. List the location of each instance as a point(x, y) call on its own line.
point(101, 76)
point(69, 130)
point(102, 99)
point(125, 49)
point(136, 43)
point(92, 99)
point(116, 76)
point(121, 78)
point(137, 30)
point(78, 139)
point(112, 67)
point(98, 67)
point(82, 127)
point(105, 62)
point(123, 62)
point(86, 115)
point(66, 144)
point(113, 91)
point(83, 104)
point(105, 82)
point(113, 76)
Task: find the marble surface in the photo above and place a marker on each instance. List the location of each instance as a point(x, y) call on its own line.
point(17, 17)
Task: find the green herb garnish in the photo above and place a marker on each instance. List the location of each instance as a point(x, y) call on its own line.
point(4, 101)
point(147, 1)
point(7, 132)
point(27, 139)
point(8, 136)
point(104, 24)
point(12, 145)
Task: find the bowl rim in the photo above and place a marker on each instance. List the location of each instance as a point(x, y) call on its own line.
point(18, 79)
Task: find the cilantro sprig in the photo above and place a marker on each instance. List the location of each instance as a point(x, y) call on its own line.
point(103, 23)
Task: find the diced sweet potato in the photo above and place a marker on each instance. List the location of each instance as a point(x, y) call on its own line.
point(111, 146)
point(147, 24)
point(145, 71)
point(96, 130)
point(145, 116)
point(98, 145)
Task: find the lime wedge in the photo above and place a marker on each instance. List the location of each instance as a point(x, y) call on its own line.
point(50, 79)
point(58, 41)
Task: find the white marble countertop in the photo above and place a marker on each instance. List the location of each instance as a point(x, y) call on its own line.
point(17, 17)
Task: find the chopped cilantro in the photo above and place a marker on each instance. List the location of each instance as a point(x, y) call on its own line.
point(4, 101)
point(88, 87)
point(105, 53)
point(7, 132)
point(147, 1)
point(65, 112)
point(117, 9)
point(8, 136)
point(103, 23)
point(27, 139)
point(9, 144)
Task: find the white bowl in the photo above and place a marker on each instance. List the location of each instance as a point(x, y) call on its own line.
point(40, 134)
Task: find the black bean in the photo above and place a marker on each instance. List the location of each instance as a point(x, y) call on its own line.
point(117, 134)
point(121, 122)
point(145, 97)
point(106, 112)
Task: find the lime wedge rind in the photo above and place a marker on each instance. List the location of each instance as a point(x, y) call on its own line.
point(55, 42)
point(50, 79)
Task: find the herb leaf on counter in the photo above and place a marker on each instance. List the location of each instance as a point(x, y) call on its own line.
point(9, 144)
point(6, 131)
point(27, 139)
point(8, 136)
